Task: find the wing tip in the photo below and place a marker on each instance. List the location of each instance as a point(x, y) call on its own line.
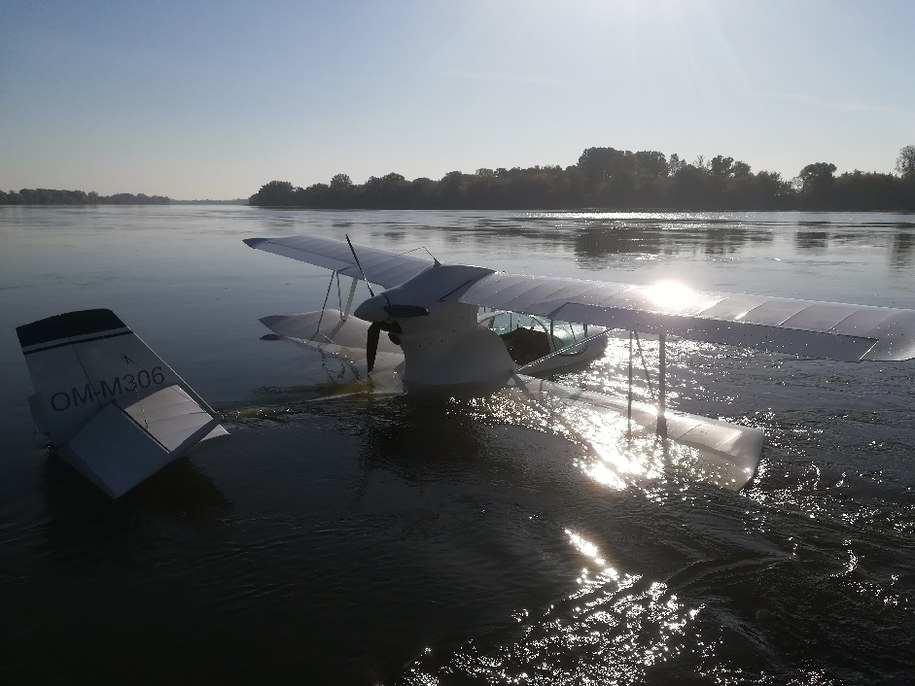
point(254, 242)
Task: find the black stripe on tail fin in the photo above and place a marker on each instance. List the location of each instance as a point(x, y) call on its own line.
point(61, 329)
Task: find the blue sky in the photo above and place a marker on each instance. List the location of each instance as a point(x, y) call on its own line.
point(213, 99)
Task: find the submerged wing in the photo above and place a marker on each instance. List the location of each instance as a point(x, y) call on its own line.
point(809, 328)
point(387, 269)
point(726, 454)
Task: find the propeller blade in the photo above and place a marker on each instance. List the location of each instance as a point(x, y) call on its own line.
point(371, 344)
point(405, 311)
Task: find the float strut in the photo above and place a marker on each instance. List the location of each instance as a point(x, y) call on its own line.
point(349, 299)
point(662, 385)
point(629, 398)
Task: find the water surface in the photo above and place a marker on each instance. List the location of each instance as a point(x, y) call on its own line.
point(377, 540)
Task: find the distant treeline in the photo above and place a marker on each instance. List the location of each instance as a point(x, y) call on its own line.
point(48, 196)
point(607, 178)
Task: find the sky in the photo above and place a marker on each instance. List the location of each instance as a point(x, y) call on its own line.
point(199, 99)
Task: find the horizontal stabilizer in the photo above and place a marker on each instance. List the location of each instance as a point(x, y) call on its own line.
point(120, 447)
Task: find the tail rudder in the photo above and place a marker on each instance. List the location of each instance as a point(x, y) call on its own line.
point(115, 409)
point(81, 361)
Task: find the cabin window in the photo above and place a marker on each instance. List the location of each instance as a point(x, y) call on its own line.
point(529, 338)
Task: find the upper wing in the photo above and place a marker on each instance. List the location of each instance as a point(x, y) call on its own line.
point(387, 269)
point(810, 328)
point(803, 327)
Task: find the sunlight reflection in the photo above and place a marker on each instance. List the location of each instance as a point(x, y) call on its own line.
point(590, 408)
point(589, 549)
point(613, 629)
point(616, 460)
point(618, 457)
point(671, 295)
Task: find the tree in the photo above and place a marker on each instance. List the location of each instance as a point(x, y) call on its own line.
point(817, 182)
point(274, 194)
point(601, 163)
point(770, 191)
point(688, 189)
point(740, 169)
point(818, 173)
point(453, 191)
point(905, 163)
point(340, 181)
point(602, 177)
point(871, 191)
point(721, 166)
point(650, 163)
point(675, 164)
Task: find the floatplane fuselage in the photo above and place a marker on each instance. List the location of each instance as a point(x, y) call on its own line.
point(443, 348)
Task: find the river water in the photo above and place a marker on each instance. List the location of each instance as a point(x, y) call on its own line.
point(368, 539)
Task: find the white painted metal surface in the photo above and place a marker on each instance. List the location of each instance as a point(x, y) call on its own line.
point(120, 447)
point(809, 328)
point(387, 269)
point(114, 409)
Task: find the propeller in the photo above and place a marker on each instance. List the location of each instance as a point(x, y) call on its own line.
point(371, 345)
point(370, 310)
point(371, 340)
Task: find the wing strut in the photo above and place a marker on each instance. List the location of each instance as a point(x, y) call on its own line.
point(661, 427)
point(566, 348)
point(326, 296)
point(629, 394)
point(349, 299)
point(344, 309)
point(662, 385)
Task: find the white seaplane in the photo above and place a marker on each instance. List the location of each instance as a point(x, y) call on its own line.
point(118, 413)
point(448, 334)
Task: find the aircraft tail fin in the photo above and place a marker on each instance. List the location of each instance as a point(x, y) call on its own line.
point(112, 407)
